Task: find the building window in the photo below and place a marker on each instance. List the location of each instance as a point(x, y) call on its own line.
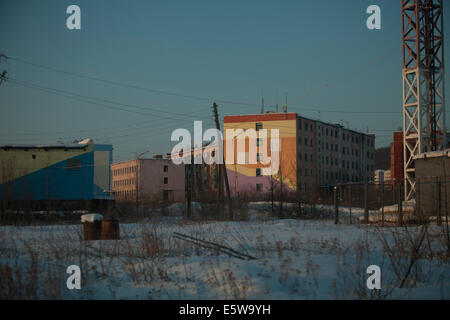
point(33, 156)
point(258, 172)
point(73, 164)
point(165, 195)
point(259, 187)
point(259, 126)
point(258, 157)
point(299, 124)
point(258, 142)
point(166, 168)
point(166, 180)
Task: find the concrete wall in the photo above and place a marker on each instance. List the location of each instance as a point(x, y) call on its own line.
point(313, 154)
point(148, 175)
point(51, 173)
point(152, 184)
point(433, 182)
point(243, 178)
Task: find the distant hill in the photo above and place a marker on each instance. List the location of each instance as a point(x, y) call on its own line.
point(383, 158)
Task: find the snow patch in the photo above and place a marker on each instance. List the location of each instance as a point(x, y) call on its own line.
point(91, 217)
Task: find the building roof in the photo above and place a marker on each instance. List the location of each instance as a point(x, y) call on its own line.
point(260, 117)
point(433, 154)
point(271, 116)
point(80, 145)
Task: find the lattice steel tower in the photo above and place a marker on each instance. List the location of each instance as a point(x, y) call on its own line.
point(423, 83)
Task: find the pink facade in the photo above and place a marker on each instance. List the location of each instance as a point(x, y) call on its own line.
point(158, 180)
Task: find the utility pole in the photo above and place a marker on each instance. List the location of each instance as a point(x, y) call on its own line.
point(222, 168)
point(137, 170)
point(3, 76)
point(4, 73)
point(188, 181)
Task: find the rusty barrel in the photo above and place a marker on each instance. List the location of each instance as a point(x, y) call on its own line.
point(110, 230)
point(92, 230)
point(92, 226)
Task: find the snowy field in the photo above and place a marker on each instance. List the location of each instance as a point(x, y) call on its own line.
point(295, 259)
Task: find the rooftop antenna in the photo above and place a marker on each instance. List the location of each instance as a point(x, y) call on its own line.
point(262, 105)
point(285, 105)
point(276, 103)
point(262, 101)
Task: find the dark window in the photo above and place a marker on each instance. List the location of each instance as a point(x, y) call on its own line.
point(166, 180)
point(259, 187)
point(33, 156)
point(258, 172)
point(258, 157)
point(73, 164)
point(259, 126)
point(166, 168)
point(258, 142)
point(165, 195)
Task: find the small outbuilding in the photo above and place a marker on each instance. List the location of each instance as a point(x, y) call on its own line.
point(432, 184)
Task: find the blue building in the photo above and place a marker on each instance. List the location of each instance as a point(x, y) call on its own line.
point(78, 171)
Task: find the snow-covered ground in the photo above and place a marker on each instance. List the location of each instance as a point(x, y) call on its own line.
point(295, 259)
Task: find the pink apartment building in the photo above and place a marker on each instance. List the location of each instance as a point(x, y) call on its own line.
point(148, 181)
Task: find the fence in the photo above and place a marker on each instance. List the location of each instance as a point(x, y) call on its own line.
point(430, 202)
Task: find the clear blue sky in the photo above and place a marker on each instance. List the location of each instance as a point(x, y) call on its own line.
point(229, 50)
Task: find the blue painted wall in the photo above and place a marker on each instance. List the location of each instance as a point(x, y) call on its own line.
point(55, 182)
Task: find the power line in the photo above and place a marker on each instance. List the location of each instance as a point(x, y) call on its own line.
point(209, 99)
point(127, 84)
point(84, 98)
